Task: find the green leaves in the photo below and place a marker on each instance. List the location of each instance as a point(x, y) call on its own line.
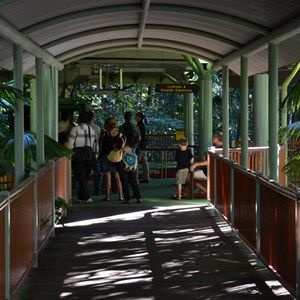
point(8, 94)
point(292, 100)
point(291, 132)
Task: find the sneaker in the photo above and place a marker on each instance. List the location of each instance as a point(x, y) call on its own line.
point(81, 201)
point(88, 201)
point(139, 200)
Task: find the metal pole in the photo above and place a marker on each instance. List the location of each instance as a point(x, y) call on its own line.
point(244, 112)
point(273, 111)
point(225, 111)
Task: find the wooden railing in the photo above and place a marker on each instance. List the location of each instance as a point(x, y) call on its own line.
point(161, 155)
point(22, 212)
point(264, 214)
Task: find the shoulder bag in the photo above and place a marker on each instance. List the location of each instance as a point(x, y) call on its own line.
point(116, 155)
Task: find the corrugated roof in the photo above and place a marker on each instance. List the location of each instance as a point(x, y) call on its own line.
point(216, 30)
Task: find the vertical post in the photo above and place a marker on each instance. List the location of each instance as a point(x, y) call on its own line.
point(121, 79)
point(39, 113)
point(19, 116)
point(54, 101)
point(36, 220)
point(232, 193)
point(201, 121)
point(100, 79)
point(273, 111)
point(225, 111)
point(215, 181)
point(208, 109)
point(53, 198)
point(244, 112)
point(297, 239)
point(7, 248)
point(257, 215)
point(48, 125)
point(33, 101)
point(190, 118)
point(260, 110)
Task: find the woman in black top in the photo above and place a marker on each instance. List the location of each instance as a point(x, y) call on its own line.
point(109, 138)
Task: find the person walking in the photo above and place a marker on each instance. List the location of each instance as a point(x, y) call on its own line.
point(184, 159)
point(129, 177)
point(142, 147)
point(81, 136)
point(96, 165)
point(109, 138)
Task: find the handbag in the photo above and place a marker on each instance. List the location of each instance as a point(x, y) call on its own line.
point(83, 154)
point(116, 155)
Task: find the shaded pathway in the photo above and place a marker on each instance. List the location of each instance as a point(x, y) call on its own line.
point(138, 252)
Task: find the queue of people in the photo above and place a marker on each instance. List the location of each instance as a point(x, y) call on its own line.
point(87, 135)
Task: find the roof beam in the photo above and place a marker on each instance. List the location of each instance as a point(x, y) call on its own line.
point(278, 35)
point(102, 47)
point(226, 18)
point(146, 4)
point(9, 33)
point(184, 30)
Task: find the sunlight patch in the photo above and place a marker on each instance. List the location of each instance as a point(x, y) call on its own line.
point(249, 288)
point(131, 216)
point(277, 288)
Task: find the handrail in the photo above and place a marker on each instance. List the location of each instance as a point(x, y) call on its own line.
point(21, 246)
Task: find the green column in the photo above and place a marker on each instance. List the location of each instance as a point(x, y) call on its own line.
point(207, 93)
point(48, 123)
point(201, 120)
point(39, 112)
point(54, 87)
point(33, 105)
point(244, 112)
point(260, 110)
point(19, 116)
point(225, 111)
point(273, 111)
point(190, 118)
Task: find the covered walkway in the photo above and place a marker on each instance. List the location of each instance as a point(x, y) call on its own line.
point(160, 249)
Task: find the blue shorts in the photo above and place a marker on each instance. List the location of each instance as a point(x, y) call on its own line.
point(106, 165)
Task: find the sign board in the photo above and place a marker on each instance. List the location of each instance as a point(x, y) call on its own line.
point(176, 88)
point(179, 135)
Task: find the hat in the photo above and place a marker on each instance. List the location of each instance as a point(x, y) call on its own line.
point(63, 126)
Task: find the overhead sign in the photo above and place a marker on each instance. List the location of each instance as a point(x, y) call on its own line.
point(176, 88)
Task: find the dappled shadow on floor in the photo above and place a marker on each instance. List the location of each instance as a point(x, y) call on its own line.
point(176, 252)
